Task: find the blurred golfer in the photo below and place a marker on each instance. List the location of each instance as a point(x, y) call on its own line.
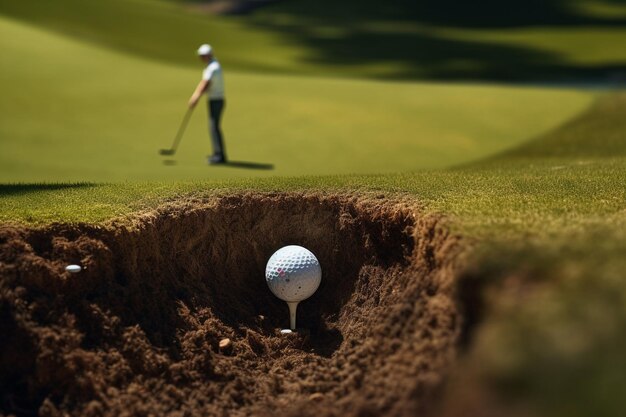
point(213, 82)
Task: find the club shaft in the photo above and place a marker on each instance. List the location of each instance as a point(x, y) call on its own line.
point(181, 129)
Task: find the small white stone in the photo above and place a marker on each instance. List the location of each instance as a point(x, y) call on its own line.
point(286, 331)
point(73, 268)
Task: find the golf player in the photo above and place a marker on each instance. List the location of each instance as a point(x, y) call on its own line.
point(212, 82)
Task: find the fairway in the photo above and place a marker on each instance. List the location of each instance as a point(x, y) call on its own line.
point(102, 116)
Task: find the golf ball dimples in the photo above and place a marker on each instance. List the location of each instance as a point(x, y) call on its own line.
point(293, 273)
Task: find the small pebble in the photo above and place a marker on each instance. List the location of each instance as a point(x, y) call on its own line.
point(225, 344)
point(73, 268)
point(316, 397)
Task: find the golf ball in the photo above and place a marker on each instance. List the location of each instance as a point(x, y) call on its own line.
point(293, 273)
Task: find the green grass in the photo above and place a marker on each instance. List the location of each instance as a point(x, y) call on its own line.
point(488, 39)
point(153, 29)
point(519, 193)
point(541, 198)
point(552, 341)
point(575, 46)
point(111, 112)
point(599, 133)
point(71, 112)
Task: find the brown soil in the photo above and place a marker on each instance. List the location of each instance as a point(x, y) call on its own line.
point(140, 331)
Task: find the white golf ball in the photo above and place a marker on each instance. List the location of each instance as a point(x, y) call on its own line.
point(73, 268)
point(293, 273)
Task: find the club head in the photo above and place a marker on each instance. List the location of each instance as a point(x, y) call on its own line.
point(166, 152)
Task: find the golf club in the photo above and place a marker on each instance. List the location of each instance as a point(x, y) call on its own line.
point(179, 134)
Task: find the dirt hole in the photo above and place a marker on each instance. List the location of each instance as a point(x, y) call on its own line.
point(139, 329)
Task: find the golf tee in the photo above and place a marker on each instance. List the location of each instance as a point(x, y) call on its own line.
point(293, 306)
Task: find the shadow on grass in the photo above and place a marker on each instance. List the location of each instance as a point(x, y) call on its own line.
point(17, 189)
point(248, 165)
point(398, 35)
point(597, 132)
point(452, 13)
point(401, 35)
point(232, 164)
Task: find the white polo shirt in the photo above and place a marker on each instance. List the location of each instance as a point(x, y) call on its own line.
point(213, 73)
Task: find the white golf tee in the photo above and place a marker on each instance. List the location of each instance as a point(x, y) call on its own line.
point(293, 306)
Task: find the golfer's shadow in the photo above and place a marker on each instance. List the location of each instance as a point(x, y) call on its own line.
point(247, 165)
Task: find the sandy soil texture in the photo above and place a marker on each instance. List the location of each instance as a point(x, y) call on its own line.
point(140, 331)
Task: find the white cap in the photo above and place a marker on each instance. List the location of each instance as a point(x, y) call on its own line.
point(205, 49)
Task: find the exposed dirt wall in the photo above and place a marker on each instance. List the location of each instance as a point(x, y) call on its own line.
point(138, 331)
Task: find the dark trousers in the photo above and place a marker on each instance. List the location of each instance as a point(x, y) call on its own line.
point(216, 107)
